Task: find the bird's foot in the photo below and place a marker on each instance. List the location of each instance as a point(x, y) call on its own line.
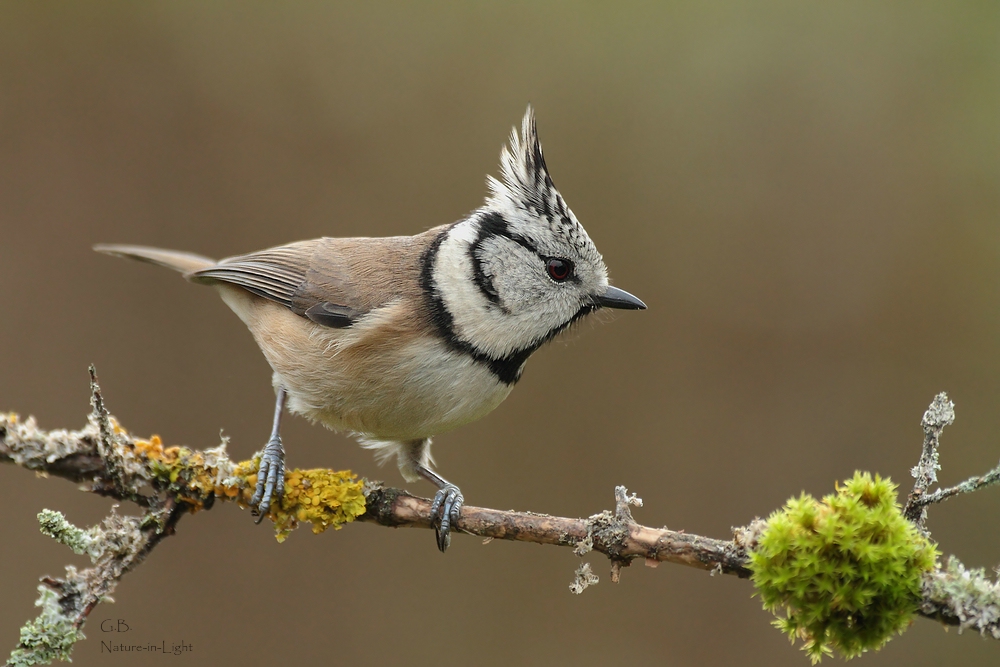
point(445, 509)
point(270, 478)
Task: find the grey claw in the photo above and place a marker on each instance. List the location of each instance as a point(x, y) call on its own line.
point(448, 503)
point(443, 539)
point(270, 479)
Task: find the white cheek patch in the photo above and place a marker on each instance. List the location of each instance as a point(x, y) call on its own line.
point(478, 321)
point(515, 272)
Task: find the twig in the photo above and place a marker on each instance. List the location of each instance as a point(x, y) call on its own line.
point(968, 486)
point(620, 540)
point(941, 413)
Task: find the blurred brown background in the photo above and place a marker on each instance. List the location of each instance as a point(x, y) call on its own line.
point(805, 195)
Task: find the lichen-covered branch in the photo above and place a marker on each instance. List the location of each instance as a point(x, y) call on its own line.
point(941, 413)
point(969, 597)
point(166, 482)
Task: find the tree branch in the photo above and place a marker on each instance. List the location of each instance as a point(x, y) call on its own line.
point(621, 539)
point(107, 460)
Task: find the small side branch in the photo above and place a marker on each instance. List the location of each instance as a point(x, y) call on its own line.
point(941, 413)
point(968, 486)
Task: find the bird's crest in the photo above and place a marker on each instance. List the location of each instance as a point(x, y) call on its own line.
point(524, 179)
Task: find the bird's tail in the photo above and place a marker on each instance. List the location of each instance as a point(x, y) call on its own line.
point(185, 262)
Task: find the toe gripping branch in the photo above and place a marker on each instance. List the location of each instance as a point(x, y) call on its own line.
point(270, 478)
point(271, 474)
point(446, 508)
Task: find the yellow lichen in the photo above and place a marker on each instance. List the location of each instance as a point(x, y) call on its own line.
point(324, 498)
point(185, 469)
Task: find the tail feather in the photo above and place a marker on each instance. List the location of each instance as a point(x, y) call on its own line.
point(185, 262)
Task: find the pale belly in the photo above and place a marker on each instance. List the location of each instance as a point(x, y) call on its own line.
point(405, 394)
point(379, 377)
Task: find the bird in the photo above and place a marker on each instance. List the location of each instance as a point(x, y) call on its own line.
point(398, 339)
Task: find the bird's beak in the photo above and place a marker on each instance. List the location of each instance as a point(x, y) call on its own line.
point(617, 298)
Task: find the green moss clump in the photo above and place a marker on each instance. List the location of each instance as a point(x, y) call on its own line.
point(845, 572)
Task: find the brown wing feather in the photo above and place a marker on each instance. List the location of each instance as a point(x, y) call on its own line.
point(331, 281)
point(274, 274)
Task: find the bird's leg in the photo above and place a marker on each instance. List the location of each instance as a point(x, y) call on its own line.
point(448, 502)
point(271, 474)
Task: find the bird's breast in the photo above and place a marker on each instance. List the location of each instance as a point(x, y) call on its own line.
point(389, 376)
point(400, 393)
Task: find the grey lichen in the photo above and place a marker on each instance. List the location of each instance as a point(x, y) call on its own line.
point(586, 545)
point(968, 486)
point(115, 536)
point(969, 595)
point(609, 531)
point(49, 637)
point(940, 413)
point(55, 525)
point(745, 538)
point(126, 471)
point(584, 577)
point(114, 546)
point(32, 448)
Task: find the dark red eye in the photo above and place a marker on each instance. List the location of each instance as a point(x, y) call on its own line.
point(559, 269)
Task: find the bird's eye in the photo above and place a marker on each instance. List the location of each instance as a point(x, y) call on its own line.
point(559, 269)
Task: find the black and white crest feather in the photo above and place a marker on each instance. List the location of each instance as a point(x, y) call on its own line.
point(525, 183)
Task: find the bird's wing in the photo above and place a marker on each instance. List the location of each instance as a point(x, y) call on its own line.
point(275, 273)
point(320, 288)
point(331, 281)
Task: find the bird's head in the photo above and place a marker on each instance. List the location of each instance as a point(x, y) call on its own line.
point(521, 268)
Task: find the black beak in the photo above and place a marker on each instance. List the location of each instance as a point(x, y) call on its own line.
point(617, 298)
